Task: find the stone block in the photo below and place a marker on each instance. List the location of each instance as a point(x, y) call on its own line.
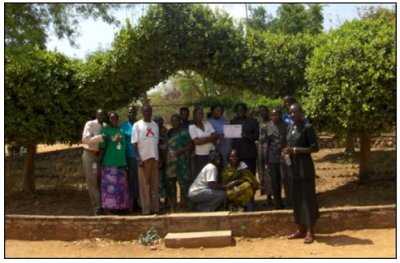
point(199, 239)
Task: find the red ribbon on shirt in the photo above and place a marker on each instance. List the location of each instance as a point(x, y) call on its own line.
point(149, 132)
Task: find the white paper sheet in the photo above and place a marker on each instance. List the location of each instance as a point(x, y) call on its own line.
point(233, 131)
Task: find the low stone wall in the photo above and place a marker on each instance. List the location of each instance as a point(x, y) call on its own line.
point(257, 224)
point(53, 170)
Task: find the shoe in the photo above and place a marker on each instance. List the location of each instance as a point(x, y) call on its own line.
point(308, 239)
point(296, 235)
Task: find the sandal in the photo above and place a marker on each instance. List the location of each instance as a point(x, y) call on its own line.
point(308, 239)
point(297, 234)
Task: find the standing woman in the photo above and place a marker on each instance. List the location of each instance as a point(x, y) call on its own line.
point(179, 147)
point(203, 136)
point(301, 142)
point(114, 181)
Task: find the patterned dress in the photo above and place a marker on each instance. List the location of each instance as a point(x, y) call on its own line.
point(178, 166)
point(114, 181)
point(241, 194)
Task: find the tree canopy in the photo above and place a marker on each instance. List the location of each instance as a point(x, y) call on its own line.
point(352, 82)
point(291, 19)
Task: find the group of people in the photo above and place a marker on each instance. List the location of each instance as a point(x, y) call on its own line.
point(133, 165)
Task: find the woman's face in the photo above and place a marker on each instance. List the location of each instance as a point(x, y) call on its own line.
point(175, 122)
point(233, 159)
point(114, 119)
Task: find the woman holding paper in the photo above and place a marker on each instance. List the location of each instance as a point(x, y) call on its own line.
point(203, 136)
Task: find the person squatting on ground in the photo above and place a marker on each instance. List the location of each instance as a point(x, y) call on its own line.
point(205, 192)
point(241, 184)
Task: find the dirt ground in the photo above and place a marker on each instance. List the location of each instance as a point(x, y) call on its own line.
point(336, 186)
point(369, 243)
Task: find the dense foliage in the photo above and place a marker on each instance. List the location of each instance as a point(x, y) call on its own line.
point(42, 103)
point(352, 81)
point(352, 77)
point(348, 75)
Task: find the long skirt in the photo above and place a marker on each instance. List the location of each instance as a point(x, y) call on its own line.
point(114, 189)
point(304, 198)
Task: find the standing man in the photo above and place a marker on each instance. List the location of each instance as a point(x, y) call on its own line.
point(131, 158)
point(276, 131)
point(90, 158)
point(246, 145)
point(145, 139)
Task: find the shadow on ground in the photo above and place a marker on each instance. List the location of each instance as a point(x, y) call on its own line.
point(342, 240)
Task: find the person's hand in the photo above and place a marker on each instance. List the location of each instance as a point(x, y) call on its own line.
point(214, 136)
point(286, 150)
point(140, 162)
point(231, 184)
point(117, 138)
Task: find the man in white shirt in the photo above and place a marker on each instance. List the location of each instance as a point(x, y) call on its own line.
point(90, 158)
point(205, 192)
point(145, 139)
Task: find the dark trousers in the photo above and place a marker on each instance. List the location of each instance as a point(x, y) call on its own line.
point(274, 170)
point(133, 182)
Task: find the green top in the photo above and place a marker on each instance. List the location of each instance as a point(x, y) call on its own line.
point(114, 152)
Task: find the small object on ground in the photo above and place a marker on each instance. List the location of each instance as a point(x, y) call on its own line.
point(149, 238)
point(199, 239)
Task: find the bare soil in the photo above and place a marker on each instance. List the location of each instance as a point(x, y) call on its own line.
point(368, 243)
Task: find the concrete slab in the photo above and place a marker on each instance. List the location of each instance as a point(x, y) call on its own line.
point(199, 239)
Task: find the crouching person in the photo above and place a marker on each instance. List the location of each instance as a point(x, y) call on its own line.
point(206, 193)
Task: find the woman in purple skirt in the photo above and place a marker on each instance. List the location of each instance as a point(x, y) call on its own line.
point(114, 181)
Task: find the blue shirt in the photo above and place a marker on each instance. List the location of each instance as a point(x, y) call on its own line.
point(126, 128)
point(289, 121)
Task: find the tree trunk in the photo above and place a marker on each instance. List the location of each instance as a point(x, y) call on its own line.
point(365, 149)
point(349, 144)
point(29, 170)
